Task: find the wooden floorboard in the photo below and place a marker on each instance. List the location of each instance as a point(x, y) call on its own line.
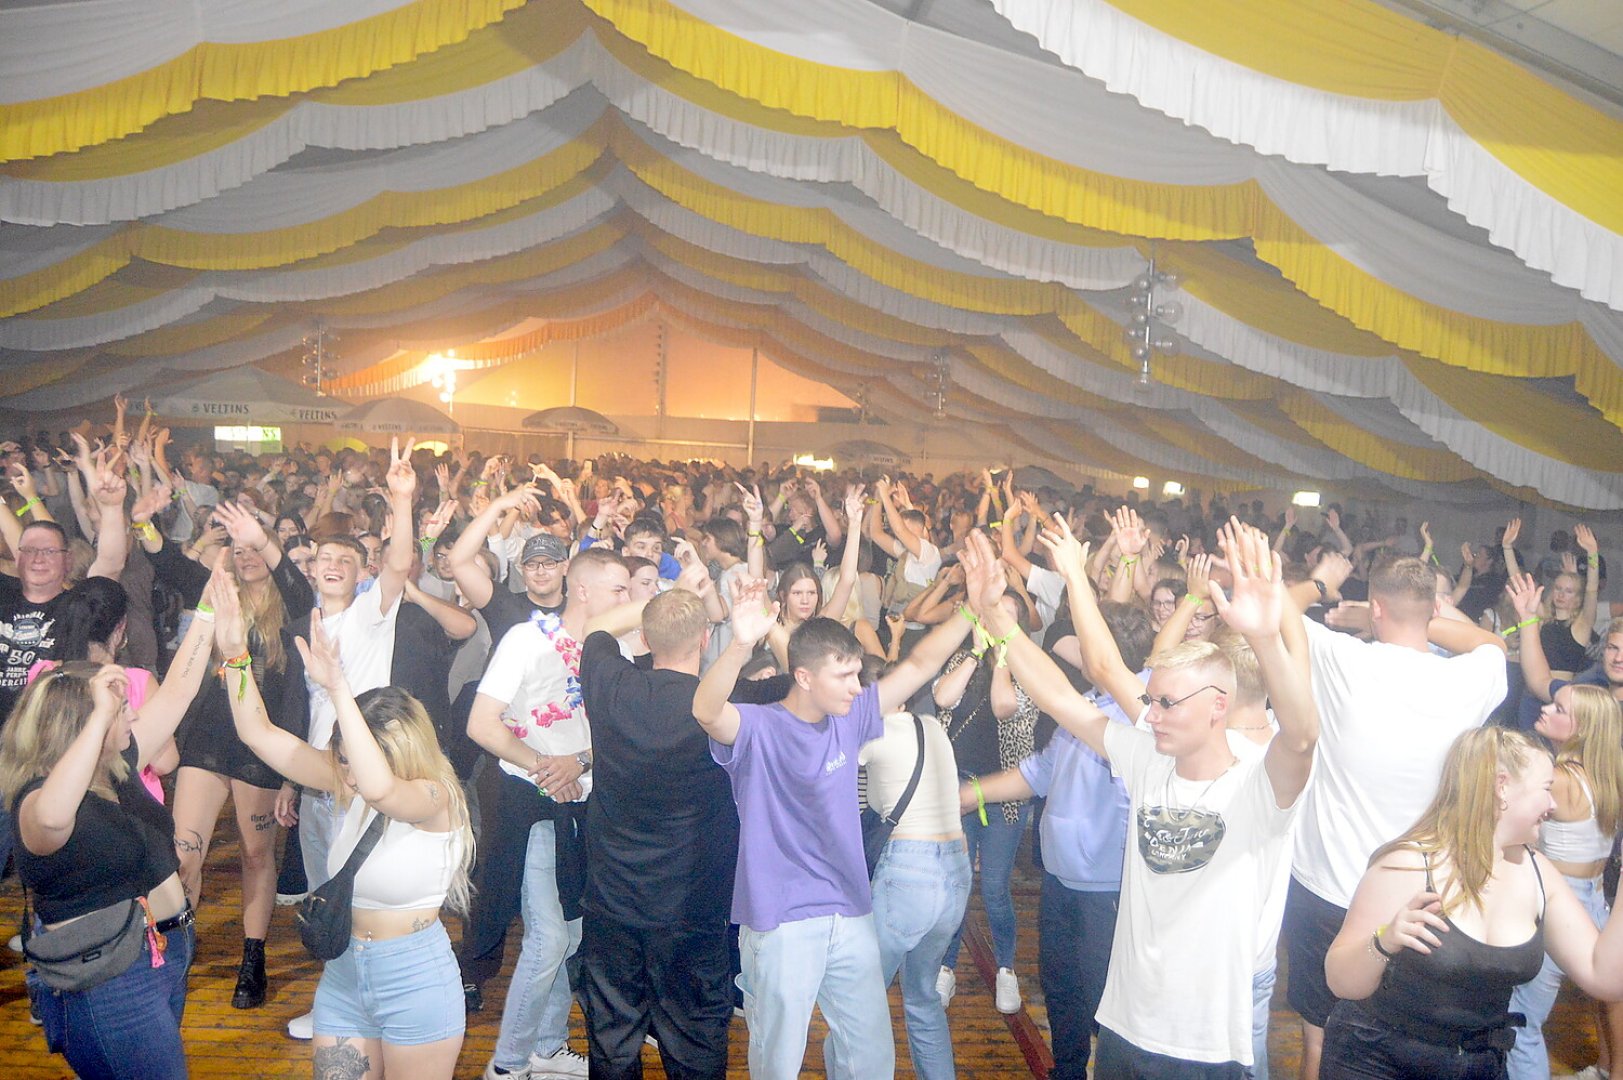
point(225, 1042)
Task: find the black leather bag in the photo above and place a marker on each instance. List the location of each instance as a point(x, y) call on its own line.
point(877, 827)
point(324, 916)
point(89, 950)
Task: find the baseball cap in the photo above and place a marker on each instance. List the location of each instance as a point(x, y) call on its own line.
point(544, 546)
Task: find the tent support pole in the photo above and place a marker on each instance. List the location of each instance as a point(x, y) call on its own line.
point(574, 388)
point(755, 371)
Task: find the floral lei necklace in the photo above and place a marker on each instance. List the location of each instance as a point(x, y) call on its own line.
point(569, 650)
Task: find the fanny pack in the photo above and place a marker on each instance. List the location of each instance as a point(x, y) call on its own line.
point(93, 948)
point(324, 916)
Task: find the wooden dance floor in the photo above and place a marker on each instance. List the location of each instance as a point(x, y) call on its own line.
point(225, 1042)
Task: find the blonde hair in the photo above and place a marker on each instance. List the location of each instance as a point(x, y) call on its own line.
point(853, 604)
point(1596, 749)
point(46, 720)
point(674, 622)
point(406, 736)
point(264, 615)
point(1546, 605)
point(1248, 686)
point(1459, 824)
point(1195, 654)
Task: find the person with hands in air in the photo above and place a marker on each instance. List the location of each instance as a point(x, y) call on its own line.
point(391, 1004)
point(1207, 825)
point(801, 894)
point(87, 835)
point(543, 562)
point(1451, 916)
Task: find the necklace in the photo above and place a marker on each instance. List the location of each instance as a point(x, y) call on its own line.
point(1180, 812)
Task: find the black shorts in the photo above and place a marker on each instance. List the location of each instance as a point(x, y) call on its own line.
point(1311, 924)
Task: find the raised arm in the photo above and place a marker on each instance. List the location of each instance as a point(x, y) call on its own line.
point(755, 538)
point(45, 819)
point(825, 513)
point(840, 597)
point(1583, 624)
point(754, 613)
point(283, 751)
point(1131, 540)
point(920, 665)
point(1101, 658)
point(1042, 679)
point(112, 536)
point(904, 533)
point(1257, 610)
point(1197, 594)
point(398, 555)
point(466, 569)
point(1507, 545)
point(1525, 595)
point(401, 800)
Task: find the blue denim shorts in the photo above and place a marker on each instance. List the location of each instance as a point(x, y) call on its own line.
point(405, 990)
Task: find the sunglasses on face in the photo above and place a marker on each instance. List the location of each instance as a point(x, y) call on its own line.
point(1168, 703)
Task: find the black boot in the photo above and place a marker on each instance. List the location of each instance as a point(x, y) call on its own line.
point(250, 993)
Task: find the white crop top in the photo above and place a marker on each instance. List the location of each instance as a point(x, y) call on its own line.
point(890, 759)
point(1575, 841)
point(410, 868)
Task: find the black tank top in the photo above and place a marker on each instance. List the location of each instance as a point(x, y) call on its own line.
point(1561, 649)
point(1464, 986)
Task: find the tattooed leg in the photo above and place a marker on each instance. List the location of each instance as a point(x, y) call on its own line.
point(343, 1059)
point(199, 795)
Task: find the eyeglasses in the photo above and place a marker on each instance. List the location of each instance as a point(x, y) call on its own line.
point(542, 564)
point(1167, 703)
point(40, 553)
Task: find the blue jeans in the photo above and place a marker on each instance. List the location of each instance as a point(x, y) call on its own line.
point(1262, 1000)
point(1528, 1059)
point(998, 841)
point(831, 961)
point(536, 1016)
point(319, 821)
point(920, 889)
point(128, 1028)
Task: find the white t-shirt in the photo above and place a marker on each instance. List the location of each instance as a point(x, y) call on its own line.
point(721, 634)
point(1387, 716)
point(536, 671)
point(933, 810)
point(365, 636)
point(1185, 949)
point(202, 495)
point(1047, 589)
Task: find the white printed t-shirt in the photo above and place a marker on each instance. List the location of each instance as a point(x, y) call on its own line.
point(1185, 948)
point(1387, 716)
point(365, 636)
point(536, 671)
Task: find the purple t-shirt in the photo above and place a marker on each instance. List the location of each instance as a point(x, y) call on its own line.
point(800, 840)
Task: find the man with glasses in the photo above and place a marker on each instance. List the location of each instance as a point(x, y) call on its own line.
point(1207, 828)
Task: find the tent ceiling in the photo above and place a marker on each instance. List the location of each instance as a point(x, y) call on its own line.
point(874, 192)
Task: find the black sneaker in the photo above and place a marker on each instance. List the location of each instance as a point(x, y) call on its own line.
point(473, 997)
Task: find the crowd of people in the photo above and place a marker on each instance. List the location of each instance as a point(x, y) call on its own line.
point(742, 739)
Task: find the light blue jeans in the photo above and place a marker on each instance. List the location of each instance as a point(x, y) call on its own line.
point(319, 821)
point(831, 961)
point(404, 990)
point(997, 842)
point(536, 1016)
point(1528, 1059)
point(1262, 1002)
point(920, 889)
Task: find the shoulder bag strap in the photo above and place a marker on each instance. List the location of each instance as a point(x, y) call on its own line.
point(368, 841)
point(900, 808)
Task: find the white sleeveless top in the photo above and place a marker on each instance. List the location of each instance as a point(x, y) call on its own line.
point(410, 868)
point(1576, 841)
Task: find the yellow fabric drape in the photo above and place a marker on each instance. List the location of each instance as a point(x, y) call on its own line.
point(1559, 144)
point(235, 72)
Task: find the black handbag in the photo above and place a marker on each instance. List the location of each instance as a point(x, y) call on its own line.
point(877, 827)
point(324, 916)
point(88, 951)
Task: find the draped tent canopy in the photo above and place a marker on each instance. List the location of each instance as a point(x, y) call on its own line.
point(1399, 255)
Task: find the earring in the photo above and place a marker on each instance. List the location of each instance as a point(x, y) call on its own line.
point(1503, 806)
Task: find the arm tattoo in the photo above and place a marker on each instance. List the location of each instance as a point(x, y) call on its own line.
point(341, 1062)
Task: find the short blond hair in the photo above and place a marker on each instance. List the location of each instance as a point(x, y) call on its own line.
point(1248, 686)
point(1196, 656)
point(674, 622)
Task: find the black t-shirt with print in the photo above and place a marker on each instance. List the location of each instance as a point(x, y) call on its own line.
point(27, 635)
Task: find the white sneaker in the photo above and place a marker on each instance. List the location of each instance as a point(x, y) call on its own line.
point(16, 943)
point(284, 899)
point(1008, 991)
point(946, 984)
point(520, 1073)
point(564, 1064)
point(302, 1027)
point(1588, 1072)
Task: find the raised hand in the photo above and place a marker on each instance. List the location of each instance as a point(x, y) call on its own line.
point(1182, 549)
point(1513, 532)
point(854, 503)
point(109, 486)
point(442, 477)
point(149, 503)
point(1257, 603)
point(695, 578)
point(983, 573)
point(1425, 534)
point(1129, 531)
point(230, 630)
point(108, 691)
point(1569, 563)
point(1586, 539)
point(243, 526)
point(525, 495)
point(1290, 517)
point(813, 488)
point(1466, 553)
point(1333, 569)
point(1199, 577)
point(1332, 518)
point(437, 521)
point(1525, 595)
point(1350, 615)
point(402, 478)
point(754, 610)
point(320, 654)
point(750, 500)
point(23, 481)
point(1068, 555)
point(819, 553)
